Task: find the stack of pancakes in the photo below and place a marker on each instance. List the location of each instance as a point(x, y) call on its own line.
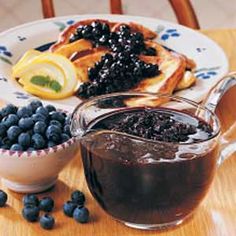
point(176, 70)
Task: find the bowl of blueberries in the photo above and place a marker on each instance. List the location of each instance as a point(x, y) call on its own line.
point(35, 145)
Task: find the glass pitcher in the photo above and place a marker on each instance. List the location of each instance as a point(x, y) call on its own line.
point(143, 183)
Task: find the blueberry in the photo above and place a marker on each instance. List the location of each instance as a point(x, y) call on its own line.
point(26, 123)
point(68, 208)
point(38, 141)
point(150, 51)
point(46, 204)
point(35, 104)
point(39, 117)
point(30, 213)
point(66, 130)
point(16, 147)
point(42, 110)
point(11, 120)
point(3, 198)
point(6, 141)
point(24, 140)
point(40, 127)
point(103, 40)
point(53, 133)
point(46, 221)
point(9, 109)
point(50, 108)
point(30, 149)
point(51, 144)
point(81, 214)
point(30, 199)
point(55, 122)
point(64, 137)
point(24, 112)
point(3, 129)
point(105, 28)
point(87, 32)
point(75, 37)
point(68, 119)
point(82, 91)
point(13, 132)
point(78, 197)
point(56, 115)
point(92, 73)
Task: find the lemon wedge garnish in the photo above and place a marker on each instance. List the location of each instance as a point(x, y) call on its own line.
point(27, 57)
point(47, 75)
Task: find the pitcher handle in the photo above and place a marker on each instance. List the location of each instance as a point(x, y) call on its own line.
point(228, 139)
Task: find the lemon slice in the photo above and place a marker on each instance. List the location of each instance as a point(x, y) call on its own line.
point(26, 58)
point(42, 69)
point(57, 68)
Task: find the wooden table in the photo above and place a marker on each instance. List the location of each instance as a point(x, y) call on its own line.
point(215, 217)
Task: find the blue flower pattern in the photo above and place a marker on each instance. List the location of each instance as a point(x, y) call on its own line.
point(5, 54)
point(21, 95)
point(3, 79)
point(169, 33)
point(70, 22)
point(206, 73)
point(200, 49)
point(21, 38)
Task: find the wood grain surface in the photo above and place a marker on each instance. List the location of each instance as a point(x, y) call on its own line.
point(216, 216)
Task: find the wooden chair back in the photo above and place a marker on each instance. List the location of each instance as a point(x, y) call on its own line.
point(183, 10)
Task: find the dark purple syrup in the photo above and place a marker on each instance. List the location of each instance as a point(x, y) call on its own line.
point(155, 179)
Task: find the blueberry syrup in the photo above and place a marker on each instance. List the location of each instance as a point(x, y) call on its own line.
point(119, 70)
point(159, 173)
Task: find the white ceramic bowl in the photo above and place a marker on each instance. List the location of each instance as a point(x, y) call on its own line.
point(36, 171)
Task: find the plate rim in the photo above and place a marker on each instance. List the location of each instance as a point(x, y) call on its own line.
point(224, 58)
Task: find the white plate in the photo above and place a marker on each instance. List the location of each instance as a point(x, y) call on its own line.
point(211, 61)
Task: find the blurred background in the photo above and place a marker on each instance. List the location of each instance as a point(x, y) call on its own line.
point(211, 14)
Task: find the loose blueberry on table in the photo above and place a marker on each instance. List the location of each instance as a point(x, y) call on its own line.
point(46, 204)
point(30, 199)
point(75, 207)
point(68, 208)
point(81, 214)
point(32, 127)
point(78, 197)
point(30, 213)
point(47, 221)
point(33, 206)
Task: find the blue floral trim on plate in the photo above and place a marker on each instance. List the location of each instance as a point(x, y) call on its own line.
point(21, 95)
point(63, 25)
point(200, 49)
point(3, 79)
point(206, 73)
point(5, 54)
point(168, 33)
point(21, 38)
